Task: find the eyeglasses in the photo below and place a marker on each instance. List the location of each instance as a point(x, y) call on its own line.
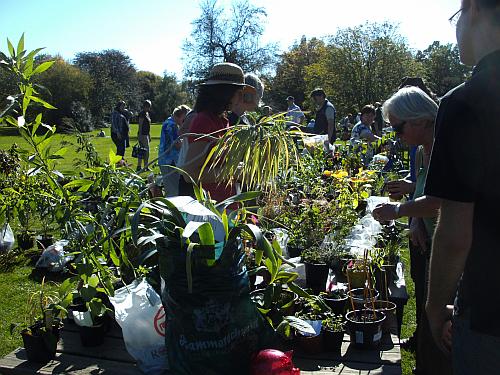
point(454, 19)
point(398, 128)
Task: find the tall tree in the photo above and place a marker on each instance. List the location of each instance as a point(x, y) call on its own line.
point(220, 36)
point(291, 72)
point(362, 65)
point(63, 85)
point(442, 67)
point(170, 94)
point(113, 77)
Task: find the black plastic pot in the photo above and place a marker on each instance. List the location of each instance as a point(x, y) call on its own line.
point(389, 309)
point(316, 276)
point(310, 344)
point(332, 341)
point(365, 327)
point(40, 346)
point(92, 336)
point(338, 305)
point(359, 299)
point(294, 252)
point(26, 241)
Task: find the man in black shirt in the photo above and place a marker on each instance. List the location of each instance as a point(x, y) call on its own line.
point(465, 173)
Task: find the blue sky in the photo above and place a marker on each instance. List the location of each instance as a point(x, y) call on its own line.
point(151, 32)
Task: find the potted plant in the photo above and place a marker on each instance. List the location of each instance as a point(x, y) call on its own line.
point(333, 332)
point(336, 299)
point(365, 327)
point(356, 272)
point(91, 318)
point(314, 312)
point(41, 331)
point(314, 259)
point(389, 310)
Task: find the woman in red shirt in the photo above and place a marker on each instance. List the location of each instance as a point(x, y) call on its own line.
point(222, 90)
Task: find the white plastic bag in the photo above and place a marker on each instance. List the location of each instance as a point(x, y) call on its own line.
point(54, 257)
point(140, 314)
point(6, 238)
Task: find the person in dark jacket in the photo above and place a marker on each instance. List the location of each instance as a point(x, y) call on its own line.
point(325, 116)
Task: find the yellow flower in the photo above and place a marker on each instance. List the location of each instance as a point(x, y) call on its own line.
point(340, 174)
point(327, 173)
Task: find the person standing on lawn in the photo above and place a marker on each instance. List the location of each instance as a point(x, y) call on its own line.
point(223, 89)
point(294, 113)
point(324, 122)
point(119, 129)
point(143, 134)
point(412, 114)
point(168, 151)
point(466, 176)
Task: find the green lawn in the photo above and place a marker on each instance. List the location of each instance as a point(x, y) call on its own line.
point(102, 145)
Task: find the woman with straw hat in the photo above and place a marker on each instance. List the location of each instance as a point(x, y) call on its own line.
point(221, 91)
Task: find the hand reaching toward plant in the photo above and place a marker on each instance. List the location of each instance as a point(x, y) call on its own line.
point(398, 188)
point(386, 211)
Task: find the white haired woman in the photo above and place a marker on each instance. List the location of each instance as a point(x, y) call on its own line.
point(412, 114)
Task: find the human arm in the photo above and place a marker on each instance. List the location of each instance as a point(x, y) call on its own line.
point(450, 249)
point(425, 206)
point(398, 188)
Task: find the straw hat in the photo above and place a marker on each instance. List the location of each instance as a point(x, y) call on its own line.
point(227, 74)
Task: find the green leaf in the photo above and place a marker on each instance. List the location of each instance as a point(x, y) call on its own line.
point(300, 325)
point(113, 158)
point(88, 292)
point(42, 102)
point(11, 48)
point(93, 281)
point(225, 223)
point(20, 45)
point(206, 234)
point(61, 151)
point(189, 272)
point(42, 67)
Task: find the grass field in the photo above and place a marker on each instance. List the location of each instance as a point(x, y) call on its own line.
point(17, 284)
point(103, 145)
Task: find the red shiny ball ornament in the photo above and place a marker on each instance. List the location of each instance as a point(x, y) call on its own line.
point(273, 362)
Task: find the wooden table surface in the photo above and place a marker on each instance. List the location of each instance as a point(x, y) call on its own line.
point(112, 358)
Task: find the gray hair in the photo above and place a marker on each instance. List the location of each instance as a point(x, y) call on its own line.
point(254, 81)
point(410, 103)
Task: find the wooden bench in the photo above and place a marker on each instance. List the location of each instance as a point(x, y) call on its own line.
point(112, 358)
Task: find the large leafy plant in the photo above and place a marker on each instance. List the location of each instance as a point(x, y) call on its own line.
point(258, 153)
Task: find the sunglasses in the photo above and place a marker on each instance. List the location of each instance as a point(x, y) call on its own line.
point(398, 128)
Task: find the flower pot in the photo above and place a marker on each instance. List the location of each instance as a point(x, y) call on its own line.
point(365, 327)
point(332, 341)
point(389, 309)
point(26, 240)
point(310, 344)
point(40, 346)
point(92, 336)
point(316, 276)
point(294, 252)
point(338, 305)
point(359, 298)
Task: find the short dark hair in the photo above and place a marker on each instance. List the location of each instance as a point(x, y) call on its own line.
point(318, 92)
point(215, 98)
point(290, 98)
point(119, 104)
point(368, 109)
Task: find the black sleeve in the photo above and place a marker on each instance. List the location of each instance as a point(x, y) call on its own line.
point(456, 165)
